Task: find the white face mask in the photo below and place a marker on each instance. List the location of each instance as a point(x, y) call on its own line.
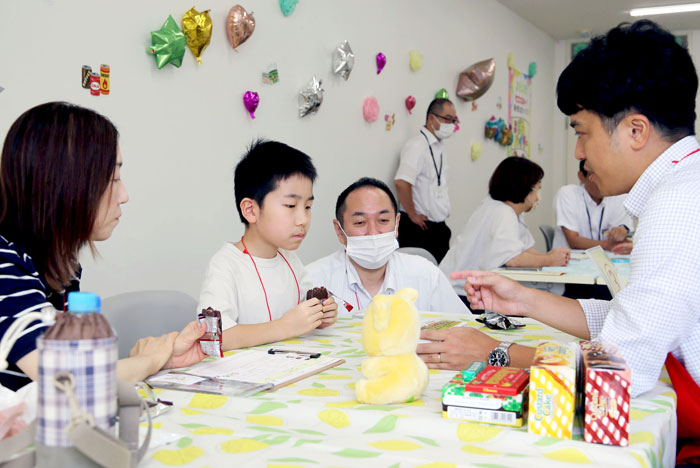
point(371, 252)
point(444, 130)
point(537, 201)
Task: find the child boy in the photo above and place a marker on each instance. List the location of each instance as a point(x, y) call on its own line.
point(258, 283)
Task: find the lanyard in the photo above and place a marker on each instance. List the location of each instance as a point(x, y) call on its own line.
point(679, 160)
point(432, 156)
point(269, 313)
point(590, 225)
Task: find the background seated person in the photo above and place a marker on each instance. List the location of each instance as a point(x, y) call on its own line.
point(496, 233)
point(585, 218)
point(366, 223)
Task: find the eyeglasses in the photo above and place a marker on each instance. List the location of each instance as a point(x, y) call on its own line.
point(448, 118)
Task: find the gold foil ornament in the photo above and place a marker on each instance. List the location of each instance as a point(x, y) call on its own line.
point(239, 26)
point(197, 28)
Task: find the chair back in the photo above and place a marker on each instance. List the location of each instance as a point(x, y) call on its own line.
point(548, 233)
point(418, 251)
point(139, 314)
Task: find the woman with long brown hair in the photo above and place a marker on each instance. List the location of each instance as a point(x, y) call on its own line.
point(60, 190)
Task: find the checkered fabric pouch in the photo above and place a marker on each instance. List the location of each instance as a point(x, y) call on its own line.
point(93, 363)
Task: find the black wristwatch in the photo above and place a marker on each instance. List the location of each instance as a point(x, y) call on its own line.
point(499, 356)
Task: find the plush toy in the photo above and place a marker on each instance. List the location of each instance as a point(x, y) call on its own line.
point(390, 332)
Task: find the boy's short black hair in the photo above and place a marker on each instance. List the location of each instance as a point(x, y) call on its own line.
point(435, 107)
point(363, 182)
point(263, 166)
point(514, 179)
point(633, 68)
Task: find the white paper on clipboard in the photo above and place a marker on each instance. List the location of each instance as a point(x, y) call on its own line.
point(613, 279)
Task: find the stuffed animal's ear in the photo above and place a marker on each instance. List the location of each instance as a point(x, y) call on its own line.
point(410, 294)
point(382, 312)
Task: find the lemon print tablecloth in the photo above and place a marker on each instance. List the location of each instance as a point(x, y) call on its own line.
point(318, 423)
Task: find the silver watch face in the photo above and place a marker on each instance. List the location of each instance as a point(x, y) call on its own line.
point(498, 357)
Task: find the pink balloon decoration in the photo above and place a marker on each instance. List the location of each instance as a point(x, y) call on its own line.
point(251, 101)
point(410, 103)
point(381, 61)
point(370, 109)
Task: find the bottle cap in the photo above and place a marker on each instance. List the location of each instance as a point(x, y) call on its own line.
point(83, 302)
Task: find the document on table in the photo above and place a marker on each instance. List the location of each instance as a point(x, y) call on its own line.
point(246, 371)
point(612, 277)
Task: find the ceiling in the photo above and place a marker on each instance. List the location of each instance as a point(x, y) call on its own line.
point(564, 19)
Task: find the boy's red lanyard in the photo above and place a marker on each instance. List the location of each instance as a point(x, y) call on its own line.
point(679, 160)
point(269, 313)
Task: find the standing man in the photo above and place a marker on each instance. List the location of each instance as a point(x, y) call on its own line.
point(421, 182)
point(585, 218)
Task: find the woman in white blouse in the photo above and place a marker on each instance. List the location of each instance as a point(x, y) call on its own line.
point(496, 233)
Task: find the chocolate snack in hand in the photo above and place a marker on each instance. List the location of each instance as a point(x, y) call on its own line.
point(320, 293)
point(211, 341)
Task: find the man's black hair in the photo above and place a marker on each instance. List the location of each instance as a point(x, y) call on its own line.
point(634, 68)
point(263, 166)
point(363, 182)
point(435, 107)
point(514, 178)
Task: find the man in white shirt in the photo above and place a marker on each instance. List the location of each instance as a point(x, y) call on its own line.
point(635, 124)
point(366, 220)
point(585, 218)
point(421, 182)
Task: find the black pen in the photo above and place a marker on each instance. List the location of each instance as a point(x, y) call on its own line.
point(301, 353)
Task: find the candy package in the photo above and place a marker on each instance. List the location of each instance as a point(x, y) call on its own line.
point(212, 339)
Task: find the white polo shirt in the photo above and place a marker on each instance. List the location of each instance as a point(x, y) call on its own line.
point(339, 276)
point(493, 235)
point(422, 171)
point(577, 211)
point(232, 286)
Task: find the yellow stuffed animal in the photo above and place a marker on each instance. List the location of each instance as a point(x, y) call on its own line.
point(390, 332)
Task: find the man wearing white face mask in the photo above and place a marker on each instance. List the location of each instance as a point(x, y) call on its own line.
point(421, 182)
point(496, 233)
point(366, 221)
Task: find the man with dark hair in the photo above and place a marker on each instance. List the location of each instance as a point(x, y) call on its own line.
point(631, 97)
point(421, 182)
point(273, 184)
point(585, 218)
point(365, 224)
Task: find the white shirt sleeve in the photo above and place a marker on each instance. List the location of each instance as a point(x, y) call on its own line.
point(219, 290)
point(443, 296)
point(410, 163)
point(505, 240)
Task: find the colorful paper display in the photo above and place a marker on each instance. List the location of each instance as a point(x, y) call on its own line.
point(552, 390)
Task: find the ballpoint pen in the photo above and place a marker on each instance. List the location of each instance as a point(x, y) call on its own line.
point(301, 353)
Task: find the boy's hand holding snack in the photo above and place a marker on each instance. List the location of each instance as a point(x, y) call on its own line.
point(303, 318)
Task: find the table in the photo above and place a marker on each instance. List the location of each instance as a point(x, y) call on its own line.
point(317, 422)
point(580, 270)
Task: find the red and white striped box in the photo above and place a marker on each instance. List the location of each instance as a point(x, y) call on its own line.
point(606, 384)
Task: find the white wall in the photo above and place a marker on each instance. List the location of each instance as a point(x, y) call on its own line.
point(183, 130)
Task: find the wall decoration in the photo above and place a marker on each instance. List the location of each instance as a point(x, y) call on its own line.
point(476, 150)
point(271, 75)
point(498, 131)
point(415, 60)
point(251, 101)
point(197, 28)
point(168, 44)
point(381, 62)
point(519, 111)
point(311, 97)
point(343, 60)
point(474, 81)
point(410, 103)
point(390, 121)
point(288, 6)
point(370, 109)
point(442, 94)
point(240, 25)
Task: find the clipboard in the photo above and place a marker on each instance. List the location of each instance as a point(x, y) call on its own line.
point(245, 372)
point(613, 279)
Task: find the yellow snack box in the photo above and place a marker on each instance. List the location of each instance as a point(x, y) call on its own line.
point(553, 390)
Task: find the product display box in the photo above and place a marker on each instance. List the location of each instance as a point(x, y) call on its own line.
point(605, 382)
point(497, 395)
point(553, 390)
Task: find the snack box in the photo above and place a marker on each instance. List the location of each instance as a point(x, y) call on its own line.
point(464, 398)
point(605, 378)
point(472, 370)
point(553, 390)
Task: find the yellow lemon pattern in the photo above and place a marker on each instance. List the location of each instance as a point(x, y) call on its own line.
point(178, 457)
point(265, 420)
point(476, 433)
point(334, 418)
point(242, 446)
point(397, 445)
point(204, 401)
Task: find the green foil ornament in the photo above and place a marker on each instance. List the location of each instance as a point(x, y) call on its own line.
point(287, 6)
point(442, 94)
point(169, 44)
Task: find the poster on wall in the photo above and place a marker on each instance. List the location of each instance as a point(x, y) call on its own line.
point(519, 109)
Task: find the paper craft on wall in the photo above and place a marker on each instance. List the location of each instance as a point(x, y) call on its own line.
point(519, 110)
point(288, 6)
point(271, 74)
point(370, 109)
point(415, 60)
